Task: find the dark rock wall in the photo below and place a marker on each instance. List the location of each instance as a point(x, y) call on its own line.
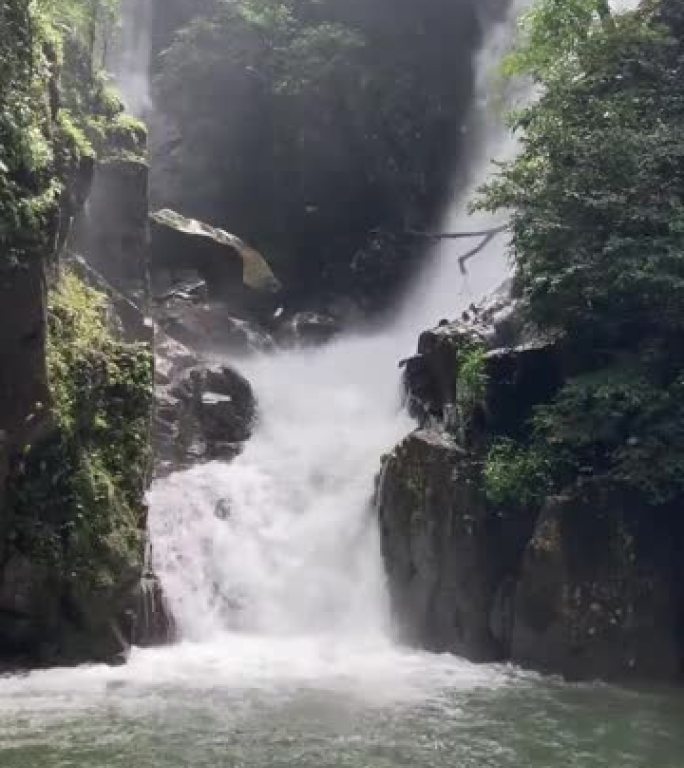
point(113, 229)
point(327, 182)
point(447, 552)
point(591, 585)
point(24, 393)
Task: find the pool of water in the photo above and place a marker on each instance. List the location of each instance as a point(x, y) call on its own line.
point(255, 703)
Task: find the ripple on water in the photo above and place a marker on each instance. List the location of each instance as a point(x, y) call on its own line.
point(313, 703)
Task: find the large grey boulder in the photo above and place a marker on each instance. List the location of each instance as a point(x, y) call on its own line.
point(234, 272)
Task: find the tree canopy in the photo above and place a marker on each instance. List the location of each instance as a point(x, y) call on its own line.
point(597, 195)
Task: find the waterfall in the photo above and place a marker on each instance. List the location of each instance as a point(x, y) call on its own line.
point(132, 56)
point(283, 541)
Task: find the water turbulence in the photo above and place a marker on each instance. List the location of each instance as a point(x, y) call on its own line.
point(271, 566)
point(283, 541)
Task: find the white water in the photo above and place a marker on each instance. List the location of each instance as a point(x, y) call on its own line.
point(288, 658)
point(283, 542)
point(132, 57)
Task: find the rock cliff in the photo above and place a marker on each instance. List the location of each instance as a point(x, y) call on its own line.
point(587, 584)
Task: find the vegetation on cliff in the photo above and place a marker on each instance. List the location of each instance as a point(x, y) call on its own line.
point(598, 240)
point(75, 505)
point(72, 525)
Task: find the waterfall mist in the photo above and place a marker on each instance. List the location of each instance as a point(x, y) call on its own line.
point(283, 541)
point(132, 56)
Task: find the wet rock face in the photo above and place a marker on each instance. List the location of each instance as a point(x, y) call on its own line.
point(113, 229)
point(203, 412)
point(308, 329)
point(446, 551)
point(590, 586)
point(24, 390)
point(599, 591)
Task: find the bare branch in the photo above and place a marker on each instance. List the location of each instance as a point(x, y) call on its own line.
point(487, 236)
point(458, 235)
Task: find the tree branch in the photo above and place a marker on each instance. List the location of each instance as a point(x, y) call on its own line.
point(493, 231)
point(487, 236)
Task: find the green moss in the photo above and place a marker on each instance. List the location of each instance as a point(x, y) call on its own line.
point(72, 138)
point(121, 136)
point(77, 502)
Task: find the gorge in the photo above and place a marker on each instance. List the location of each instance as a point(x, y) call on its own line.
point(301, 530)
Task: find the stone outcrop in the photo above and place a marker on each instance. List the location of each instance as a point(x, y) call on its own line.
point(203, 411)
point(113, 230)
point(235, 273)
point(447, 552)
point(590, 585)
point(307, 329)
point(209, 326)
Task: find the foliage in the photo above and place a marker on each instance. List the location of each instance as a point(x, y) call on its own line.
point(28, 191)
point(78, 501)
point(553, 35)
point(48, 127)
point(471, 387)
point(598, 233)
point(598, 188)
point(516, 477)
point(471, 382)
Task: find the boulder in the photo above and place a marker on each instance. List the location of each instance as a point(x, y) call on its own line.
point(234, 272)
point(446, 551)
point(203, 412)
point(209, 326)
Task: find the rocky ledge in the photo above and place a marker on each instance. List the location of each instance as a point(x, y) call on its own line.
point(589, 584)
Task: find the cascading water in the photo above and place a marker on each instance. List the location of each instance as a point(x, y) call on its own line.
point(272, 568)
point(283, 540)
point(132, 56)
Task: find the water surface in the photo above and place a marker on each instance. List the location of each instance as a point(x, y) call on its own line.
point(246, 702)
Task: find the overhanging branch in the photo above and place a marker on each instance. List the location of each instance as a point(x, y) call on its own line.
point(487, 236)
